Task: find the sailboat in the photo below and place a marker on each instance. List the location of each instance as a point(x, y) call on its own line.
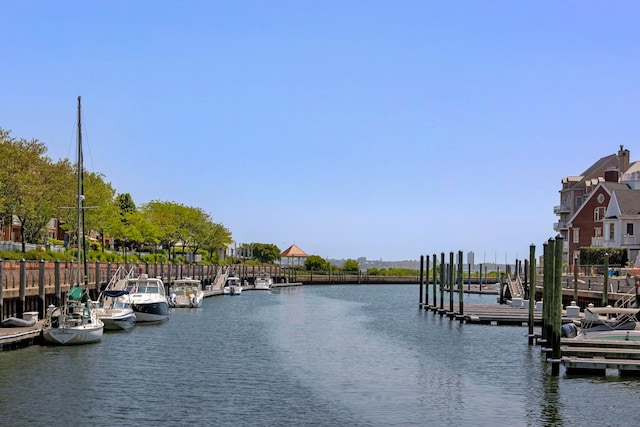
point(75, 322)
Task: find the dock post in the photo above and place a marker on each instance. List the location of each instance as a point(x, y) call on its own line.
point(546, 297)
point(501, 287)
point(575, 278)
point(23, 288)
point(469, 275)
point(421, 279)
point(460, 287)
point(557, 314)
point(426, 284)
point(41, 293)
point(532, 290)
point(435, 281)
point(57, 288)
point(605, 282)
point(1, 287)
point(451, 282)
point(442, 281)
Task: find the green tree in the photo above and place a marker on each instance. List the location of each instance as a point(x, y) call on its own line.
point(351, 265)
point(265, 252)
point(31, 185)
point(316, 263)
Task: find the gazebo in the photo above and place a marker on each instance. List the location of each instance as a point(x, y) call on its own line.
point(292, 256)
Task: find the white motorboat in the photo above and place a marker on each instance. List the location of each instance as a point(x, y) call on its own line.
point(148, 298)
point(186, 293)
point(114, 304)
point(605, 323)
point(75, 322)
point(234, 284)
point(262, 282)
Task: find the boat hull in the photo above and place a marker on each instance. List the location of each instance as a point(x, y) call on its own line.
point(151, 311)
point(118, 321)
point(85, 334)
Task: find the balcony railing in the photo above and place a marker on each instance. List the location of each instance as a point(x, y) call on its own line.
point(560, 209)
point(630, 240)
point(596, 242)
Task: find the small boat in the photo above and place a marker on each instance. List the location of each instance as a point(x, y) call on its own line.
point(186, 293)
point(148, 298)
point(605, 323)
point(262, 282)
point(114, 304)
point(234, 284)
point(75, 322)
point(15, 322)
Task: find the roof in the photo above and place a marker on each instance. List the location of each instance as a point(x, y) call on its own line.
point(294, 251)
point(629, 201)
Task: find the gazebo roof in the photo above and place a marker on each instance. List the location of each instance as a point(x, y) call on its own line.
point(293, 251)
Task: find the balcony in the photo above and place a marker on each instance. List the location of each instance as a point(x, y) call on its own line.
point(630, 240)
point(561, 209)
point(597, 242)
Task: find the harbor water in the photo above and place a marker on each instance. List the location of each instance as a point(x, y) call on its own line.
point(310, 355)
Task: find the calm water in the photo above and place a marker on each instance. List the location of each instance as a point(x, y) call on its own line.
point(323, 355)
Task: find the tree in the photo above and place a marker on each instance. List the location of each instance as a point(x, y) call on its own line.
point(31, 185)
point(265, 252)
point(316, 263)
point(351, 265)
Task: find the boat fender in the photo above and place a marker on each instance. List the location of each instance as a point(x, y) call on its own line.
point(568, 330)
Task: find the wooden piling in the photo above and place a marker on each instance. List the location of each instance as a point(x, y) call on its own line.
point(532, 291)
point(426, 285)
point(435, 280)
point(421, 279)
point(605, 285)
point(575, 278)
point(41, 290)
point(546, 298)
point(557, 314)
point(441, 281)
point(22, 292)
point(450, 281)
point(460, 288)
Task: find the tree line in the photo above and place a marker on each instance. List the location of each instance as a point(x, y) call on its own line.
point(34, 189)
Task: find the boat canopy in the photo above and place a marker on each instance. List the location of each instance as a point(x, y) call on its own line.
point(114, 294)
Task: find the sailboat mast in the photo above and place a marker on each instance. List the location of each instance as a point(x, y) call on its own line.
point(82, 257)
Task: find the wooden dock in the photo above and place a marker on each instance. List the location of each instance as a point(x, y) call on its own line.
point(489, 314)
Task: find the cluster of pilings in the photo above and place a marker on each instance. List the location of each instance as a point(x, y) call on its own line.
point(444, 277)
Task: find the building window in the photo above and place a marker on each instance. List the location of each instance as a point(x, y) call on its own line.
point(576, 235)
point(598, 214)
point(578, 202)
point(629, 229)
point(612, 232)
point(597, 232)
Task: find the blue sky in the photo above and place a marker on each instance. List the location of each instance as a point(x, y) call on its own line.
point(377, 129)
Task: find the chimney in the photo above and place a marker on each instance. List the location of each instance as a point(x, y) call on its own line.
point(623, 159)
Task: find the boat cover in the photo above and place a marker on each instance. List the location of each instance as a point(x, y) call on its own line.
point(115, 294)
point(75, 293)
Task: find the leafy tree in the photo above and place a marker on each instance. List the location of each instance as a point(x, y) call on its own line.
point(31, 185)
point(351, 265)
point(316, 263)
point(218, 237)
point(265, 252)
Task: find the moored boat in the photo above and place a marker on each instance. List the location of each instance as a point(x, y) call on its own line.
point(114, 305)
point(148, 298)
point(262, 282)
point(605, 323)
point(186, 293)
